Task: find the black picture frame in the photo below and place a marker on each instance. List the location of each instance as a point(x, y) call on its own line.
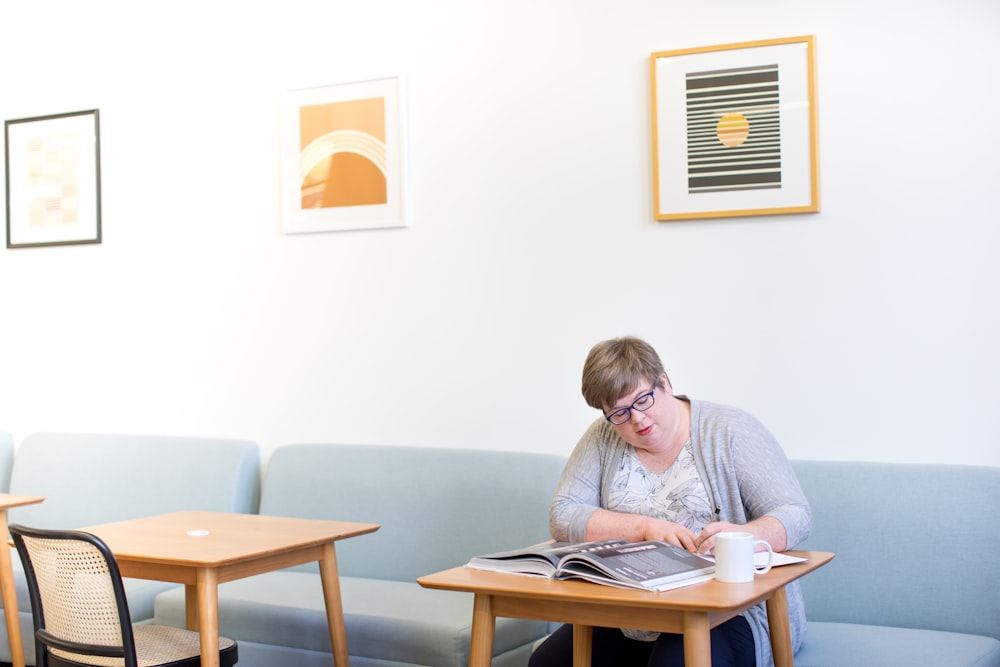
point(53, 179)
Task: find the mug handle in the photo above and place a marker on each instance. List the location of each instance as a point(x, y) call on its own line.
point(770, 557)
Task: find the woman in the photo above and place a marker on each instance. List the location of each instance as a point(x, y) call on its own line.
point(662, 466)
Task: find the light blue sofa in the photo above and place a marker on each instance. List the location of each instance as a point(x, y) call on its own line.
point(6, 460)
point(437, 508)
point(89, 479)
point(915, 581)
point(916, 577)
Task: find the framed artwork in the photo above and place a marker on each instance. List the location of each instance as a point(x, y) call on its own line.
point(734, 130)
point(342, 157)
point(53, 167)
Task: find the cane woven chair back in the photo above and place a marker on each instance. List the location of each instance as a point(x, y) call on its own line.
point(80, 612)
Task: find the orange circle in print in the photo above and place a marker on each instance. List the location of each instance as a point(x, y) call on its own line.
point(733, 129)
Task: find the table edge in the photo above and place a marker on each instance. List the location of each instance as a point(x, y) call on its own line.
point(510, 585)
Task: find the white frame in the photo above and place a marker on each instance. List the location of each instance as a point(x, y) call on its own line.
point(388, 157)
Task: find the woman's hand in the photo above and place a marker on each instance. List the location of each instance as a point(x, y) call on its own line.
point(607, 524)
point(674, 533)
point(765, 528)
point(705, 542)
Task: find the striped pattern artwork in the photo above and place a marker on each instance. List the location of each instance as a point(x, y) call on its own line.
point(733, 129)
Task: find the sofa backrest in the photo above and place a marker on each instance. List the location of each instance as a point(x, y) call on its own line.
point(6, 460)
point(437, 507)
point(916, 545)
point(97, 478)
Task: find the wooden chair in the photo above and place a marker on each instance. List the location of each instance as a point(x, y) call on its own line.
point(80, 612)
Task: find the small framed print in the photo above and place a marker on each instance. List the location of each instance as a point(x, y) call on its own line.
point(342, 157)
point(53, 167)
point(734, 130)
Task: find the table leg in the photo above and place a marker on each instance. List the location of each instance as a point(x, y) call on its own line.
point(207, 591)
point(191, 607)
point(781, 633)
point(697, 642)
point(483, 630)
point(8, 593)
point(330, 578)
point(583, 644)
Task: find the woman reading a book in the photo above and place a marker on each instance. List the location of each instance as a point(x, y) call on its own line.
point(660, 466)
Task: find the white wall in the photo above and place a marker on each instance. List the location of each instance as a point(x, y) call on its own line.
point(867, 331)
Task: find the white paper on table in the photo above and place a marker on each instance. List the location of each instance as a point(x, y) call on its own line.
point(760, 559)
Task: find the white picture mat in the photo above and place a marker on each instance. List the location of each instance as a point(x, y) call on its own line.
point(795, 114)
point(391, 214)
point(77, 131)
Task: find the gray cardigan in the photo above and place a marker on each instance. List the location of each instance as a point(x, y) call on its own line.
point(732, 451)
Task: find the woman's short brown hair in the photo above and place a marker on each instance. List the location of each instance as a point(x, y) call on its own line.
point(615, 367)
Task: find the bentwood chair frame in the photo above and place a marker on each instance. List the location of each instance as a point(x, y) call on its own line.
point(80, 612)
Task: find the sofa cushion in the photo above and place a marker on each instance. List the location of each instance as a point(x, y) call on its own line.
point(128, 476)
point(6, 460)
point(390, 621)
point(436, 507)
point(910, 543)
point(89, 479)
point(439, 506)
point(840, 644)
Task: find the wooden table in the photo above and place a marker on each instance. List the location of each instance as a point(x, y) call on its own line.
point(691, 610)
point(8, 591)
point(204, 549)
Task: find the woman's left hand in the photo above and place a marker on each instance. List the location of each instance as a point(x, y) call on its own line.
point(704, 543)
point(765, 528)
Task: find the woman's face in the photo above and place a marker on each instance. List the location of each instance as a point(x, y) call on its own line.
point(650, 429)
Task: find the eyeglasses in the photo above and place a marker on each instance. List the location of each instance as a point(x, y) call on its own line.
point(641, 403)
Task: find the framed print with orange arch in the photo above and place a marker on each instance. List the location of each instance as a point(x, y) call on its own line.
point(734, 130)
point(342, 157)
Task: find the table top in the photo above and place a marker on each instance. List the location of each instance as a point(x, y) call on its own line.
point(708, 596)
point(8, 500)
point(217, 539)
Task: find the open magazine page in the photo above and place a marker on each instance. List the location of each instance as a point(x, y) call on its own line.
point(650, 565)
point(541, 559)
point(760, 559)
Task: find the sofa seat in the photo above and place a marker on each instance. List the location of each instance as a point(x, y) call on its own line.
point(884, 521)
point(93, 478)
point(387, 622)
point(437, 508)
point(839, 644)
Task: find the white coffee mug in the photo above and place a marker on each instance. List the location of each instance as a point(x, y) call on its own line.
point(734, 557)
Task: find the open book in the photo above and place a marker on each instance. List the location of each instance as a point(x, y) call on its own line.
point(651, 565)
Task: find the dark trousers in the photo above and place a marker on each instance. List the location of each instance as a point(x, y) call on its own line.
point(732, 646)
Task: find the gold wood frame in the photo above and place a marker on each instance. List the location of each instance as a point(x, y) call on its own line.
point(735, 130)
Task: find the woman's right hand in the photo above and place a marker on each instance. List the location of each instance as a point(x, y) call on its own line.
point(674, 533)
point(607, 524)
